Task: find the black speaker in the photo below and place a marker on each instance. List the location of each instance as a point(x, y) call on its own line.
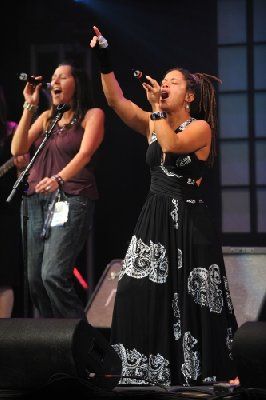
point(249, 352)
point(33, 352)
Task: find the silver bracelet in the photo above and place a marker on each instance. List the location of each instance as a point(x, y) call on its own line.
point(30, 107)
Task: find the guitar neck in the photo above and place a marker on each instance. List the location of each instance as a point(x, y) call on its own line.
point(7, 166)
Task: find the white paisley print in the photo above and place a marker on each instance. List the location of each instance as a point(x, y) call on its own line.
point(185, 124)
point(138, 369)
point(177, 324)
point(181, 162)
point(229, 341)
point(169, 173)
point(210, 379)
point(203, 286)
point(228, 297)
point(143, 261)
point(190, 181)
point(174, 213)
point(180, 262)
point(191, 367)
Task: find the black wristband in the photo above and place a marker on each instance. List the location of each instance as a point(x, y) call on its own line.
point(104, 58)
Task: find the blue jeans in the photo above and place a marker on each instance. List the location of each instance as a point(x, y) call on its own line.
point(50, 261)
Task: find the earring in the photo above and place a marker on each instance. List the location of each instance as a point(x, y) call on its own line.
point(187, 107)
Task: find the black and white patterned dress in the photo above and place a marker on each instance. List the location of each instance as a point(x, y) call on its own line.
point(173, 320)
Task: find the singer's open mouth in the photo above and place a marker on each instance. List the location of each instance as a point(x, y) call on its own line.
point(164, 95)
point(57, 91)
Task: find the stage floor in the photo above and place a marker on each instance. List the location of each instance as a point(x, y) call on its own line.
point(78, 391)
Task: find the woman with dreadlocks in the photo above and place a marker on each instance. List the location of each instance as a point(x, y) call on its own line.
point(173, 320)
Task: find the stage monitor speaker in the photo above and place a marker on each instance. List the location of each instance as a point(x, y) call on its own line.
point(101, 304)
point(246, 273)
point(33, 352)
point(249, 352)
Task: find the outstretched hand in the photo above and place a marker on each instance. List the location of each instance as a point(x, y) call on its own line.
point(95, 38)
point(101, 49)
point(98, 39)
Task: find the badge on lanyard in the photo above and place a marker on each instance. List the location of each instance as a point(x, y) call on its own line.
point(60, 214)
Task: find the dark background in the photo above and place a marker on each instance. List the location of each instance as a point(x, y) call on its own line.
point(149, 35)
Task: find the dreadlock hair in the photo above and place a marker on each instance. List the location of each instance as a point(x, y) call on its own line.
point(204, 104)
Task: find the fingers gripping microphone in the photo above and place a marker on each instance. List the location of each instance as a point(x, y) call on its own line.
point(22, 76)
point(139, 75)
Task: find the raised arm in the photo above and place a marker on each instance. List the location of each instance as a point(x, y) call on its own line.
point(27, 132)
point(132, 115)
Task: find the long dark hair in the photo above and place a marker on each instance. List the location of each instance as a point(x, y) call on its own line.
point(204, 104)
point(83, 96)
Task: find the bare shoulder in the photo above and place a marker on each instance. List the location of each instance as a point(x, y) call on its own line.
point(95, 112)
point(200, 127)
point(93, 115)
point(41, 122)
point(200, 124)
point(45, 116)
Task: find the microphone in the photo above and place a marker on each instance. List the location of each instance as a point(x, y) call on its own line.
point(22, 76)
point(140, 76)
point(61, 108)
